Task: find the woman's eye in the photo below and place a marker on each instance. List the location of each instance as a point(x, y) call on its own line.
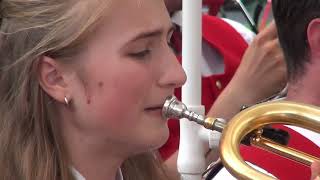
point(141, 54)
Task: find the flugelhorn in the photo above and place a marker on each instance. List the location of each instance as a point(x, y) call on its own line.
point(250, 122)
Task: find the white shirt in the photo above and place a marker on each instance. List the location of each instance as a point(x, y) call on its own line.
point(78, 176)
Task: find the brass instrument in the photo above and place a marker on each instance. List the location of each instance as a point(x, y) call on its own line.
point(250, 121)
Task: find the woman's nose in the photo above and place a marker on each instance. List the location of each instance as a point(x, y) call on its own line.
point(174, 75)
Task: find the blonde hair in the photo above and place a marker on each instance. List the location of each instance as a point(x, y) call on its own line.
point(30, 145)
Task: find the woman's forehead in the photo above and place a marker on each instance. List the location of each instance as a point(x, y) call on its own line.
point(140, 8)
point(127, 17)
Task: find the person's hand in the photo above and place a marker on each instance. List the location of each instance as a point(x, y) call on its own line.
point(262, 71)
point(315, 171)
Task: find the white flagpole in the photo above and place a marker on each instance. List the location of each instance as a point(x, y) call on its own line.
point(191, 160)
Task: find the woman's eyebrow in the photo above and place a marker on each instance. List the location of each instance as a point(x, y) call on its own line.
point(153, 33)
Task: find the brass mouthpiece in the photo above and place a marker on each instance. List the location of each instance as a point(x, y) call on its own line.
point(175, 109)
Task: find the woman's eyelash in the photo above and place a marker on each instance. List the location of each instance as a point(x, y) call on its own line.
point(141, 54)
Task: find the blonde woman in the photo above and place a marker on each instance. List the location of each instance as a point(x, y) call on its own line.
point(82, 86)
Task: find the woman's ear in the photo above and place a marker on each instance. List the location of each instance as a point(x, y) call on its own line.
point(52, 79)
point(313, 36)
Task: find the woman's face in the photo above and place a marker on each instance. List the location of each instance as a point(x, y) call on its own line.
point(127, 71)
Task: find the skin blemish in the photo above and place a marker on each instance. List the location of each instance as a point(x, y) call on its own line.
point(100, 84)
point(88, 96)
point(86, 91)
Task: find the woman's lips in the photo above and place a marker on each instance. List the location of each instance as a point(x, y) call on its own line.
point(154, 110)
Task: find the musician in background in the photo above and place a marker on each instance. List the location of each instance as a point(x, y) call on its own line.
point(300, 39)
point(231, 70)
point(298, 25)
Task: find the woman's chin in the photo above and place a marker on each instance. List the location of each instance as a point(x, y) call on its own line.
point(163, 138)
point(156, 140)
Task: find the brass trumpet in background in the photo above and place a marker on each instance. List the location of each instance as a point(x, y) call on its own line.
point(249, 123)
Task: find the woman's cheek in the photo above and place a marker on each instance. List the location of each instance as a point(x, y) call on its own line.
point(117, 107)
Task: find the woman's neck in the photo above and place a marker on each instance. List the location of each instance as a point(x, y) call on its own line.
point(92, 157)
point(95, 167)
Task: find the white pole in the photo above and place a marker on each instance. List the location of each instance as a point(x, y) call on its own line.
point(191, 160)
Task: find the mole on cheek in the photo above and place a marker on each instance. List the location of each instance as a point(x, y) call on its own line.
point(100, 84)
point(88, 100)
